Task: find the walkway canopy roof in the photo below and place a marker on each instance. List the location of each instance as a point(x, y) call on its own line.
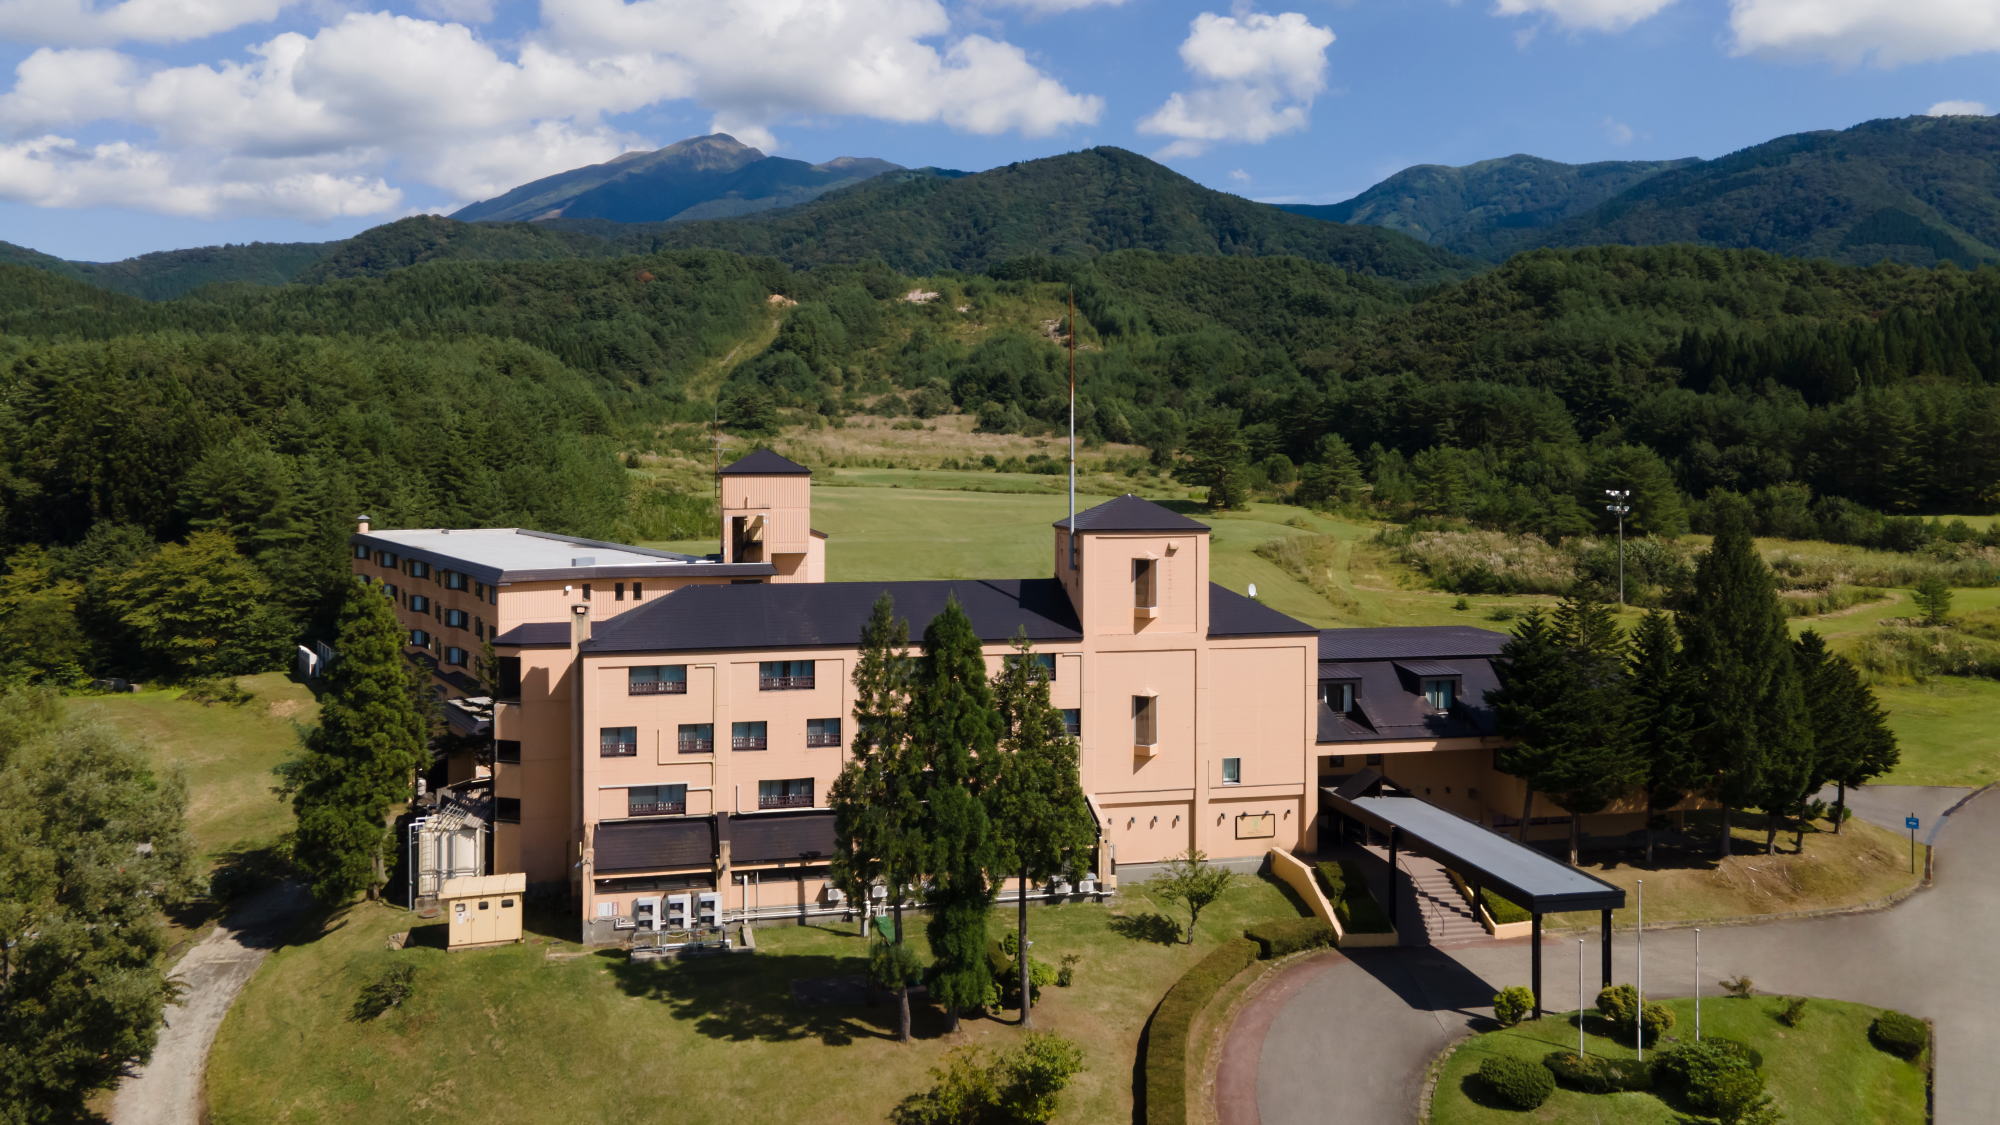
point(1522, 874)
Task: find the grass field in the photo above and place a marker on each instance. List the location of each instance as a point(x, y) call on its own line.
point(226, 753)
point(1823, 1070)
point(548, 1031)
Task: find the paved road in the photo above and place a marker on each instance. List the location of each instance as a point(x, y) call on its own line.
point(1348, 1037)
point(168, 1089)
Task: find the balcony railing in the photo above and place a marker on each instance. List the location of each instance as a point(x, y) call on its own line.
point(656, 808)
point(656, 687)
point(697, 745)
point(785, 683)
point(785, 801)
point(817, 738)
point(617, 749)
point(748, 742)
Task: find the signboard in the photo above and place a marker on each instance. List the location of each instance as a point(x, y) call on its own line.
point(1910, 822)
point(1256, 826)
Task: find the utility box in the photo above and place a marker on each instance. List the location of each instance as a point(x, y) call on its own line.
point(482, 910)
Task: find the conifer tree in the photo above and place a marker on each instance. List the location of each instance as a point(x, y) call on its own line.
point(1593, 761)
point(359, 761)
point(1851, 736)
point(956, 731)
point(1333, 478)
point(1218, 460)
point(1526, 706)
point(877, 809)
point(1744, 687)
point(1659, 717)
point(1034, 796)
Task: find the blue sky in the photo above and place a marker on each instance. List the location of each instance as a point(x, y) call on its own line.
point(137, 125)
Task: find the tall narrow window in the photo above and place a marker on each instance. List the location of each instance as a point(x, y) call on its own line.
point(1145, 583)
point(618, 591)
point(638, 590)
point(507, 674)
point(586, 591)
point(1145, 720)
point(1232, 771)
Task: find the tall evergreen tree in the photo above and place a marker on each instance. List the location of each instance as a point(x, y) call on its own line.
point(878, 810)
point(1218, 460)
point(955, 729)
point(1333, 478)
point(1526, 707)
point(1034, 796)
point(1594, 761)
point(359, 761)
point(1658, 714)
point(1851, 737)
point(1745, 704)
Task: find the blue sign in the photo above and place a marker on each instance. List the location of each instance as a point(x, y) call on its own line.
point(1910, 822)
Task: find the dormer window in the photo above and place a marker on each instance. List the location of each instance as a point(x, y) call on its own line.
point(1440, 694)
point(1338, 695)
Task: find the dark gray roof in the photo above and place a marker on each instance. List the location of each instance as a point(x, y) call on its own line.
point(831, 614)
point(1429, 668)
point(780, 837)
point(1389, 703)
point(532, 634)
point(1328, 670)
point(1409, 642)
point(1230, 614)
point(1131, 513)
point(1522, 874)
point(764, 463)
point(654, 845)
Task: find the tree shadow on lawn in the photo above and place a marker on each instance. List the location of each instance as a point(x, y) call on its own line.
point(743, 997)
point(1151, 926)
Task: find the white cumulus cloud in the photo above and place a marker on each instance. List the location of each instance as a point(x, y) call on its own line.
point(1958, 109)
point(1256, 77)
point(1885, 32)
point(53, 23)
point(1590, 15)
point(56, 171)
point(1055, 5)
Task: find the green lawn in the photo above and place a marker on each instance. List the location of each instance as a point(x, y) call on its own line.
point(1824, 1070)
point(546, 1031)
point(1945, 729)
point(225, 751)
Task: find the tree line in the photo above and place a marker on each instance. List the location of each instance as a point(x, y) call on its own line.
point(1716, 702)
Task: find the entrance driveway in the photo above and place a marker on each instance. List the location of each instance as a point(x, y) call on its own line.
point(1348, 1037)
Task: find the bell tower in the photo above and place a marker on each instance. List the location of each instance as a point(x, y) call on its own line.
point(767, 517)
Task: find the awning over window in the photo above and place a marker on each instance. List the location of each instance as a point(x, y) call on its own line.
point(780, 837)
point(655, 845)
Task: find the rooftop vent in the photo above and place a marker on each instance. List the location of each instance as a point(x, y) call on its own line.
point(584, 560)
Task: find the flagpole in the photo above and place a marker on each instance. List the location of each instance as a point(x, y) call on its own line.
point(1072, 429)
point(1639, 1016)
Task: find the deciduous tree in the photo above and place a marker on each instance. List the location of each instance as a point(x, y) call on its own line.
point(1192, 882)
point(201, 609)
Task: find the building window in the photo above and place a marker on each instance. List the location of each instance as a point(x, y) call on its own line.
point(656, 800)
point(420, 603)
point(455, 618)
point(1438, 694)
point(361, 550)
point(788, 793)
point(1373, 759)
point(1145, 583)
point(617, 742)
point(657, 679)
point(697, 738)
point(419, 569)
point(1046, 661)
point(1145, 720)
point(1232, 771)
point(748, 736)
point(507, 677)
point(479, 590)
point(784, 675)
point(822, 732)
point(1073, 722)
point(618, 591)
point(586, 591)
point(420, 638)
point(507, 810)
point(454, 657)
point(454, 580)
point(638, 590)
point(389, 588)
point(385, 558)
point(1334, 761)
point(1338, 696)
point(507, 750)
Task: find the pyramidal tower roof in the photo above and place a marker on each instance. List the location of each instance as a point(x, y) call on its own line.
point(764, 463)
point(1131, 513)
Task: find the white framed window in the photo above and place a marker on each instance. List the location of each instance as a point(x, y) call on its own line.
point(1232, 771)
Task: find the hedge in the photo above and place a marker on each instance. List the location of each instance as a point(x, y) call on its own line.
point(1517, 1082)
point(1347, 888)
point(1900, 1035)
point(1166, 1042)
point(1280, 939)
point(1501, 910)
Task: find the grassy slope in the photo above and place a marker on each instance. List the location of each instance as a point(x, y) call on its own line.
point(1823, 1070)
point(225, 752)
point(580, 1036)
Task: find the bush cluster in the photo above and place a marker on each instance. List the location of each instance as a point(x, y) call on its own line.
point(1620, 1004)
point(1717, 1077)
point(1023, 1085)
point(1593, 1075)
point(1501, 910)
point(1900, 1035)
point(1517, 1082)
point(1347, 889)
point(217, 689)
point(1292, 935)
point(1166, 1041)
point(1512, 1005)
point(396, 984)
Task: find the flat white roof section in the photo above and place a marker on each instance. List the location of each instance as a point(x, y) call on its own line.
point(515, 554)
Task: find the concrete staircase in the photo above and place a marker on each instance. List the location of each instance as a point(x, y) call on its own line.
point(1446, 917)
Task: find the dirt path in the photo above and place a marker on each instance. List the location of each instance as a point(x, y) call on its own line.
point(168, 1089)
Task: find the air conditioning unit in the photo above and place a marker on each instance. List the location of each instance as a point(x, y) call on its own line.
point(879, 892)
point(1058, 886)
point(708, 908)
point(677, 911)
point(646, 912)
point(1087, 885)
point(835, 896)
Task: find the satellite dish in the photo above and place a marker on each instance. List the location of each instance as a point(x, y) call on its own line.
point(1253, 589)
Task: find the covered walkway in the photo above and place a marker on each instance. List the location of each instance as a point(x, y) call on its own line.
point(1486, 859)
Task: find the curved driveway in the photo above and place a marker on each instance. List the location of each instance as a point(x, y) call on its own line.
point(1349, 1037)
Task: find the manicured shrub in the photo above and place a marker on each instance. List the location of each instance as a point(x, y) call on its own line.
point(1716, 1077)
point(1501, 910)
point(1346, 888)
point(1594, 1075)
point(1166, 1040)
point(1900, 1035)
point(1517, 1083)
point(1512, 1005)
point(1619, 1004)
point(1292, 935)
point(1794, 1012)
point(396, 984)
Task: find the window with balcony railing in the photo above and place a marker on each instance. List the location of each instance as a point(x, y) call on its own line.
point(787, 793)
point(617, 742)
point(656, 800)
point(657, 679)
point(785, 675)
point(822, 732)
point(697, 738)
point(749, 736)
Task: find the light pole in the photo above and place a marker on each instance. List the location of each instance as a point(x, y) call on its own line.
point(1639, 1020)
point(1621, 506)
point(1579, 998)
point(1697, 984)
